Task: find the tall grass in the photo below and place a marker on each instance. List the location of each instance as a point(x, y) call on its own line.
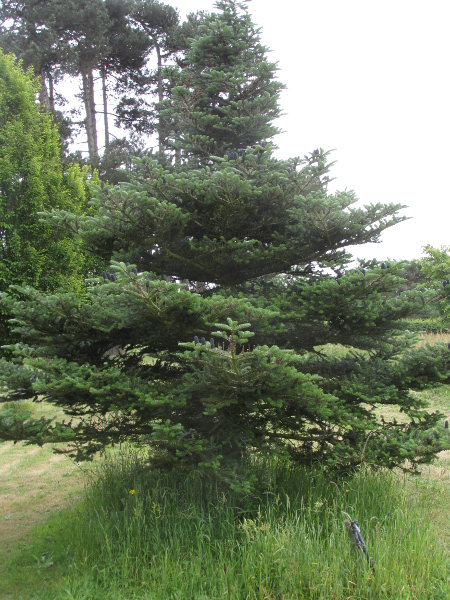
point(440, 336)
point(182, 538)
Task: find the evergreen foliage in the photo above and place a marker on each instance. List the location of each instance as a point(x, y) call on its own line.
point(228, 244)
point(32, 180)
point(25, 31)
point(111, 40)
point(225, 97)
point(436, 269)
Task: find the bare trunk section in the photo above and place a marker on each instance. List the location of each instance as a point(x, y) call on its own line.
point(92, 107)
point(89, 133)
point(91, 127)
point(51, 97)
point(46, 96)
point(105, 110)
point(44, 100)
point(160, 99)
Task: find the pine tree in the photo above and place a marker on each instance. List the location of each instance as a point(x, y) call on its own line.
point(283, 349)
point(114, 41)
point(225, 97)
point(24, 31)
point(158, 22)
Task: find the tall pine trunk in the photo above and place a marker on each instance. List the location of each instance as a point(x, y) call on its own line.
point(92, 108)
point(51, 97)
point(160, 99)
point(46, 95)
point(44, 100)
point(105, 110)
point(89, 105)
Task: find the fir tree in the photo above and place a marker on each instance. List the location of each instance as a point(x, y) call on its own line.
point(436, 270)
point(304, 353)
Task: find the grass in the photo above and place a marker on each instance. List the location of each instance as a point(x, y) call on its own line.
point(434, 338)
point(183, 539)
point(36, 485)
point(188, 538)
point(35, 482)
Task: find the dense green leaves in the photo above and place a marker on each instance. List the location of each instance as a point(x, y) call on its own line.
point(436, 269)
point(32, 180)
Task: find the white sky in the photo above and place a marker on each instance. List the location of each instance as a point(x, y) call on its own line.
point(370, 79)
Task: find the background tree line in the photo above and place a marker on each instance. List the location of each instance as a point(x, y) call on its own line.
point(125, 44)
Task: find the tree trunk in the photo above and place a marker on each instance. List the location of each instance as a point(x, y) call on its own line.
point(91, 128)
point(43, 94)
point(51, 92)
point(160, 99)
point(105, 110)
point(92, 107)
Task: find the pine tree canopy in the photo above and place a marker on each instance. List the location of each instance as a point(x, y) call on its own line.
point(230, 320)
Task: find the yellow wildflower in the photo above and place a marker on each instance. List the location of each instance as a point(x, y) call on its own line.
point(132, 492)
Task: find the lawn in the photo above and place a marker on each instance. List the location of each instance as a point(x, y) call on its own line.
point(115, 531)
point(35, 483)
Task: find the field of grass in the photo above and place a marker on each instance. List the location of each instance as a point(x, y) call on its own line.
point(189, 539)
point(433, 338)
point(113, 530)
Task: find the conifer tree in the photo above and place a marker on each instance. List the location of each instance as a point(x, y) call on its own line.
point(158, 22)
point(436, 269)
point(25, 31)
point(284, 349)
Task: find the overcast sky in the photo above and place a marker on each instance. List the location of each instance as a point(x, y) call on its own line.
point(369, 79)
